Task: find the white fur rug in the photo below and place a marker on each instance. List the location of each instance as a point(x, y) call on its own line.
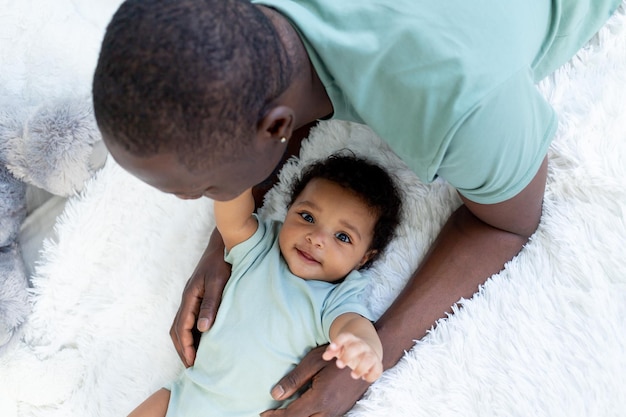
point(546, 337)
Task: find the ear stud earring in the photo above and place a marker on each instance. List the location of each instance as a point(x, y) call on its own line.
point(283, 139)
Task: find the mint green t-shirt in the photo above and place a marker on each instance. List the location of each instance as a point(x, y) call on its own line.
point(267, 321)
point(449, 84)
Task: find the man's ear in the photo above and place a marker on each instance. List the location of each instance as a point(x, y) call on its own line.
point(276, 124)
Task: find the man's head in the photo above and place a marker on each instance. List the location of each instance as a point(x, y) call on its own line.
point(189, 78)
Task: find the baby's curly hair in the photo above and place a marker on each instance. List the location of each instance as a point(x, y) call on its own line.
point(370, 182)
point(191, 77)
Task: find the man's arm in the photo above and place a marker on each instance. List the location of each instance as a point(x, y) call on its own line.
point(474, 244)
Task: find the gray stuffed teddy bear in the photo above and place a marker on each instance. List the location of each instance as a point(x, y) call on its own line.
point(55, 147)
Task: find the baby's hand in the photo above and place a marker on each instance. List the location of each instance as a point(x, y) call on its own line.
point(355, 353)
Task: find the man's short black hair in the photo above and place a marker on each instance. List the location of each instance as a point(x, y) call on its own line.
point(369, 182)
point(187, 76)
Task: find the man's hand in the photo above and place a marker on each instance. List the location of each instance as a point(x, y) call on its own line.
point(201, 299)
point(332, 392)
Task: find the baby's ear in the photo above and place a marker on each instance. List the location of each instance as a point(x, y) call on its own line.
point(369, 255)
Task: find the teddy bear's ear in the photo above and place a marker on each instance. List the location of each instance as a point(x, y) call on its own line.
point(58, 147)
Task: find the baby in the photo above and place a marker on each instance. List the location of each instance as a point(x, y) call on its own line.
point(294, 285)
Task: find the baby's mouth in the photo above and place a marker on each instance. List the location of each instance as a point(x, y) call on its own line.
point(308, 258)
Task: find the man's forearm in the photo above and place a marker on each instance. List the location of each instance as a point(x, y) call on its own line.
point(466, 253)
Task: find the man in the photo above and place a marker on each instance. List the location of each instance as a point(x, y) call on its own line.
point(207, 98)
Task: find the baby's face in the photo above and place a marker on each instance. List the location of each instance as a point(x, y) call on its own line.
point(327, 232)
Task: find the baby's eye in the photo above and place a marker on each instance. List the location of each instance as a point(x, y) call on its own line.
point(343, 237)
point(307, 217)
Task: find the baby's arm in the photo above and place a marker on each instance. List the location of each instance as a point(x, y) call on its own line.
point(355, 343)
point(234, 219)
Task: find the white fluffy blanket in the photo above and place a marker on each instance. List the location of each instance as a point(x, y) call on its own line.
point(545, 337)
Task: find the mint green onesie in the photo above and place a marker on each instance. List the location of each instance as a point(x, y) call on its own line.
point(268, 320)
point(449, 84)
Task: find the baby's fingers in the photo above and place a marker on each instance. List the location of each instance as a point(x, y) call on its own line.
point(344, 347)
point(332, 351)
point(369, 368)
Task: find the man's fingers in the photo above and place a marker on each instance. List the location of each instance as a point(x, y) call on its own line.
point(181, 333)
point(303, 407)
point(185, 320)
point(331, 394)
point(300, 375)
point(184, 344)
point(210, 304)
point(178, 346)
point(208, 311)
point(214, 284)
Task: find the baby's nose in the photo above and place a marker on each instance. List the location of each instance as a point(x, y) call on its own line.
point(316, 239)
